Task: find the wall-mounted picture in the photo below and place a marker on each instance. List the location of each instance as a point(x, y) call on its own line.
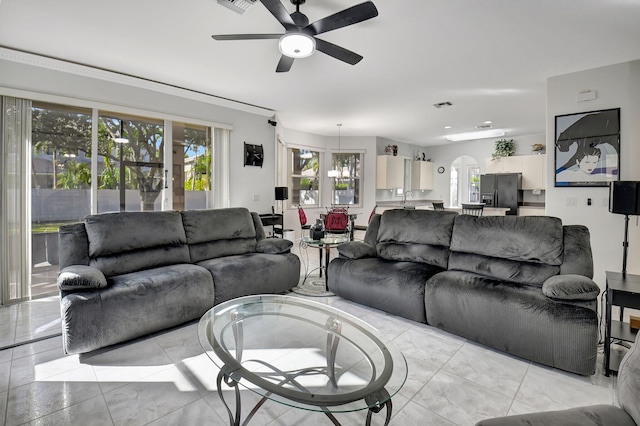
point(253, 155)
point(587, 148)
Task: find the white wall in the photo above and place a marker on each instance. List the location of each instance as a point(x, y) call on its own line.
point(617, 86)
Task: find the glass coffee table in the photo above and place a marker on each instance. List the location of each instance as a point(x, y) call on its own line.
point(301, 353)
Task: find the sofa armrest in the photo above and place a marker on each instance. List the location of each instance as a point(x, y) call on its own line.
point(585, 416)
point(81, 277)
point(570, 287)
point(357, 250)
point(274, 246)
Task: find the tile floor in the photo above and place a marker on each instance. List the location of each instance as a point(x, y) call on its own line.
point(165, 379)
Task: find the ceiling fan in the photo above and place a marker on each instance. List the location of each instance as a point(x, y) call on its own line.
point(299, 39)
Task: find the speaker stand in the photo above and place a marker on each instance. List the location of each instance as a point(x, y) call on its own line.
point(625, 245)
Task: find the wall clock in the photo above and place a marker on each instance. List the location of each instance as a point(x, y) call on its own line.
point(441, 170)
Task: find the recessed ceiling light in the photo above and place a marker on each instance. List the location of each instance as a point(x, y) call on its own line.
point(447, 127)
point(488, 122)
point(482, 134)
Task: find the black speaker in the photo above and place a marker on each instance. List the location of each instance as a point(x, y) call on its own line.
point(624, 197)
point(282, 193)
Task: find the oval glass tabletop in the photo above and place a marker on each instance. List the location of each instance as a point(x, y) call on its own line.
point(302, 353)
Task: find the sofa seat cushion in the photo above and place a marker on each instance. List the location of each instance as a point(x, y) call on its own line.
point(514, 318)
point(219, 232)
point(536, 239)
point(252, 273)
point(135, 304)
point(391, 286)
point(421, 236)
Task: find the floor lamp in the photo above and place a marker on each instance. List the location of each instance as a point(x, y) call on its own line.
point(624, 198)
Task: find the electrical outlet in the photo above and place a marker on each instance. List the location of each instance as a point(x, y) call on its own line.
point(571, 201)
point(256, 197)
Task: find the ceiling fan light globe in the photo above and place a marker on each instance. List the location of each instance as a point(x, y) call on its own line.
point(297, 45)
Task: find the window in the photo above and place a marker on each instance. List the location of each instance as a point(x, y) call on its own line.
point(346, 188)
point(304, 179)
point(465, 181)
point(130, 172)
point(192, 164)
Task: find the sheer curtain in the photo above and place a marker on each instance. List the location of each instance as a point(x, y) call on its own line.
point(221, 138)
point(15, 215)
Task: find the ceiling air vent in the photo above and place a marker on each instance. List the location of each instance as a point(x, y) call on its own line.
point(442, 104)
point(483, 126)
point(239, 6)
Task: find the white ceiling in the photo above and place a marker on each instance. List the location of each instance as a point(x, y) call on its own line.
point(490, 58)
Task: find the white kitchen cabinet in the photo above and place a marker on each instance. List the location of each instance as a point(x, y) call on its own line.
point(534, 171)
point(531, 211)
point(389, 172)
point(422, 175)
point(512, 164)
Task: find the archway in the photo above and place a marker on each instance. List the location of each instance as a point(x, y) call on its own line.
point(465, 181)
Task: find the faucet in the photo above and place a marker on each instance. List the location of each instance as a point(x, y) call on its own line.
point(404, 196)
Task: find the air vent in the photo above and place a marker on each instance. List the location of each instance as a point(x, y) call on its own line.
point(238, 6)
point(483, 126)
point(442, 104)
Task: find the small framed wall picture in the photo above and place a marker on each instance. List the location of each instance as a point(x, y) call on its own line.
point(253, 155)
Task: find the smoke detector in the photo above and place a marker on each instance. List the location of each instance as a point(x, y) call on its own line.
point(238, 6)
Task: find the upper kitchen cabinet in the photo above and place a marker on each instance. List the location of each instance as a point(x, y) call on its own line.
point(534, 171)
point(389, 172)
point(512, 164)
point(422, 175)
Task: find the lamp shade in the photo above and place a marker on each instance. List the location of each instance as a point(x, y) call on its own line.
point(297, 45)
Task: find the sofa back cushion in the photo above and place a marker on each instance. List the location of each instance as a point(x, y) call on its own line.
point(578, 258)
point(126, 242)
point(415, 236)
point(523, 249)
point(219, 232)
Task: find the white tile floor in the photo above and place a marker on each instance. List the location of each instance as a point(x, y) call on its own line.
point(165, 379)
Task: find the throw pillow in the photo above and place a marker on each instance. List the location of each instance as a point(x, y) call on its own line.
point(81, 277)
point(274, 246)
point(570, 287)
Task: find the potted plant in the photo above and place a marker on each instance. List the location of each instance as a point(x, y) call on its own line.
point(538, 148)
point(504, 148)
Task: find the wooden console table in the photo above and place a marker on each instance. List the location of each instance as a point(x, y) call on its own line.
point(623, 291)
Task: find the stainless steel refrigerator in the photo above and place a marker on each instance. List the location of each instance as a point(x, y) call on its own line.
point(502, 190)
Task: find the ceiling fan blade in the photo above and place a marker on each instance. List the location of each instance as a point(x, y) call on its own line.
point(285, 64)
point(278, 10)
point(337, 52)
point(246, 37)
point(353, 15)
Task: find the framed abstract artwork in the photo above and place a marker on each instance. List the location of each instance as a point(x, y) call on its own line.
point(587, 148)
point(253, 155)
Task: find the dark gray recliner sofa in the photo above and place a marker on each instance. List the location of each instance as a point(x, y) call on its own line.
point(124, 275)
point(627, 391)
point(518, 284)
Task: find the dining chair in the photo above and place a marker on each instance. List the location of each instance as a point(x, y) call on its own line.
point(472, 209)
point(438, 206)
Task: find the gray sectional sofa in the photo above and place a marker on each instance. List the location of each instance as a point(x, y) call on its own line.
point(518, 284)
point(124, 275)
